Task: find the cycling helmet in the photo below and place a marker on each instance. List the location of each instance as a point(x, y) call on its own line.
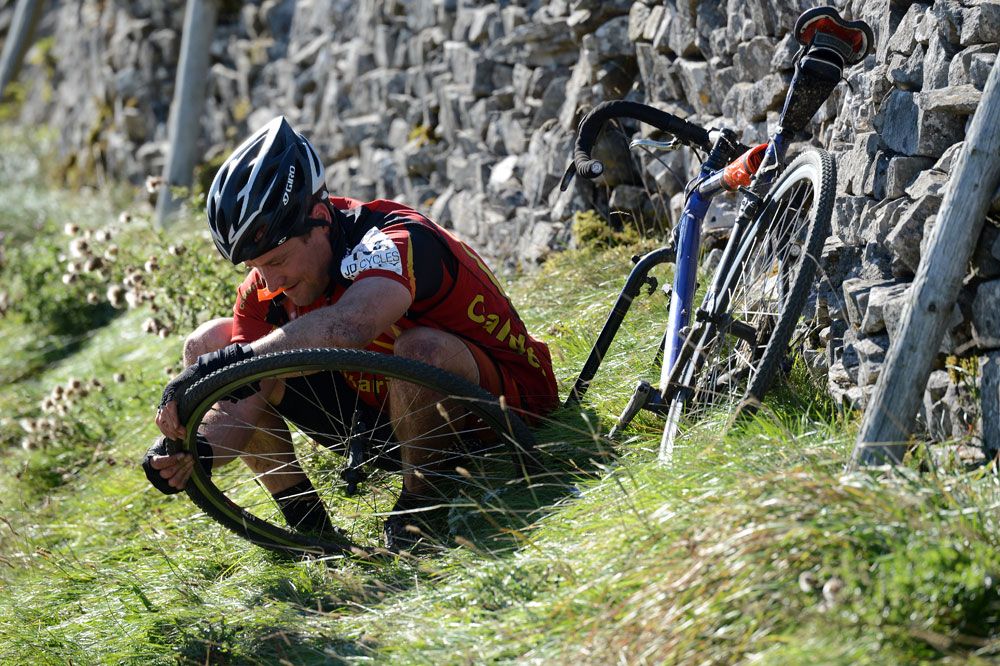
point(263, 192)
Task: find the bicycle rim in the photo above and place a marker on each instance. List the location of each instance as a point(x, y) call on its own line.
point(487, 445)
point(767, 290)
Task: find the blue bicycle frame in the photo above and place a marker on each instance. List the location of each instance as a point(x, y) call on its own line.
point(685, 255)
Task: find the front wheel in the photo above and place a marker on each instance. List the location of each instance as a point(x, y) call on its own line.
point(737, 357)
point(319, 425)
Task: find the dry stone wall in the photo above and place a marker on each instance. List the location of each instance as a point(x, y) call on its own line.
point(467, 108)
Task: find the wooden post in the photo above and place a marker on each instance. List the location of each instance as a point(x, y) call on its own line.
point(888, 420)
point(187, 105)
point(22, 27)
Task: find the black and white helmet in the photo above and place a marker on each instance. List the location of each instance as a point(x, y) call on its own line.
point(263, 193)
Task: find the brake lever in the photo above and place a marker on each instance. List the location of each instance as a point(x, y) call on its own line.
point(671, 145)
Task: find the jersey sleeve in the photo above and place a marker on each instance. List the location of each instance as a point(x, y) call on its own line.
point(250, 310)
point(385, 253)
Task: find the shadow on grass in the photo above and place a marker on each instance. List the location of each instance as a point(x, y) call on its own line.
point(497, 520)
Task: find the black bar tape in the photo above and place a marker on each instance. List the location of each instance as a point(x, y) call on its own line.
point(592, 123)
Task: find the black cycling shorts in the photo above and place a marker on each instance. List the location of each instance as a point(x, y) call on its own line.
point(326, 409)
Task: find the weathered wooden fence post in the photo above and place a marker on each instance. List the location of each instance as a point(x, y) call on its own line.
point(888, 419)
point(187, 105)
point(22, 27)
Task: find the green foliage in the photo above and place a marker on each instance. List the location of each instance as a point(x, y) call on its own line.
point(73, 280)
point(591, 230)
point(753, 546)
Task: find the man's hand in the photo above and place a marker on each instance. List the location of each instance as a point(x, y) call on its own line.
point(169, 472)
point(167, 419)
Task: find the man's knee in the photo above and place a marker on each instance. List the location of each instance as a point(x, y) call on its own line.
point(438, 348)
point(209, 337)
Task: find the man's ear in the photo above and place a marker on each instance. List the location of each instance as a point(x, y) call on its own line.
point(320, 212)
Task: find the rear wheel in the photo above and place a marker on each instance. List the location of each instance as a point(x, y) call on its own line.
point(737, 356)
point(485, 444)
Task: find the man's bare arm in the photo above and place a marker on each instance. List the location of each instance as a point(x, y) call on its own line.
point(366, 309)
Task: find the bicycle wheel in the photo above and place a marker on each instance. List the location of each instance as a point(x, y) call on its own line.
point(736, 356)
point(487, 444)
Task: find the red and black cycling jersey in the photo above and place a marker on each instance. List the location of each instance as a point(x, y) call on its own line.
point(452, 288)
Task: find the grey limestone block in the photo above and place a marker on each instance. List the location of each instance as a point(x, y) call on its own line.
point(928, 183)
point(986, 315)
point(638, 15)
point(902, 172)
point(871, 354)
point(905, 237)
point(958, 99)
point(611, 40)
point(907, 72)
point(848, 216)
point(856, 293)
point(904, 37)
point(908, 128)
point(966, 65)
point(879, 297)
point(752, 59)
point(750, 102)
point(936, 413)
point(658, 74)
point(696, 81)
point(980, 23)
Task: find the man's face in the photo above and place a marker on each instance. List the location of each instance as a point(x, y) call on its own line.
point(300, 266)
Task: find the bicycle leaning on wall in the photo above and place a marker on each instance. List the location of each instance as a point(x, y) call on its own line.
point(727, 351)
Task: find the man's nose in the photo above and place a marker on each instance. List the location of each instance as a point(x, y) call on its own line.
point(273, 280)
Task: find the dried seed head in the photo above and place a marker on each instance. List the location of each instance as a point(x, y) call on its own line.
point(176, 250)
point(151, 265)
point(79, 247)
point(118, 378)
point(93, 298)
point(102, 235)
point(808, 581)
point(93, 264)
point(124, 217)
point(832, 589)
point(149, 326)
point(57, 391)
point(164, 332)
point(96, 383)
point(153, 184)
point(116, 296)
point(69, 278)
point(71, 229)
point(133, 298)
point(74, 383)
point(28, 425)
point(111, 252)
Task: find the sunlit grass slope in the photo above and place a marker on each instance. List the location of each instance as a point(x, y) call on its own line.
point(752, 547)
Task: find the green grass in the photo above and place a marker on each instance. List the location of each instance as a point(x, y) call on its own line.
point(752, 546)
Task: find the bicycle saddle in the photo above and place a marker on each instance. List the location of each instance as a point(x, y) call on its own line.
point(825, 28)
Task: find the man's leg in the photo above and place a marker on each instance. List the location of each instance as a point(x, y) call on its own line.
point(414, 408)
point(266, 448)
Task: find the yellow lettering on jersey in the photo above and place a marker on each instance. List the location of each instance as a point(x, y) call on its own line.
point(502, 335)
point(516, 343)
point(489, 321)
point(473, 315)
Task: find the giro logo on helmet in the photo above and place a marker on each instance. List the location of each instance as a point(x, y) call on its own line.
point(288, 185)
